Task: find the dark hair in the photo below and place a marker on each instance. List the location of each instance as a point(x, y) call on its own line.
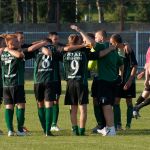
point(91, 35)
point(73, 39)
point(117, 38)
point(18, 32)
point(52, 33)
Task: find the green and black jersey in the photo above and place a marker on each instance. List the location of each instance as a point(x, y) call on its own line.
point(12, 70)
point(76, 62)
point(129, 61)
point(109, 64)
point(46, 68)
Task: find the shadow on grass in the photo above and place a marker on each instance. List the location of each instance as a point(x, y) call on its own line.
point(29, 91)
point(139, 132)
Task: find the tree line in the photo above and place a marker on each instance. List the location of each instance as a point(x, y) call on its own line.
point(52, 11)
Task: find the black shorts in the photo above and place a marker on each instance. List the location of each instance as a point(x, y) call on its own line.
point(106, 92)
point(14, 94)
point(76, 93)
point(45, 91)
point(94, 88)
point(121, 93)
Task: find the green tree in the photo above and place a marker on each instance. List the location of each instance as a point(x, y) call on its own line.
point(6, 11)
point(142, 10)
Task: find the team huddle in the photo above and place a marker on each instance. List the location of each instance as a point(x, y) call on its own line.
point(112, 63)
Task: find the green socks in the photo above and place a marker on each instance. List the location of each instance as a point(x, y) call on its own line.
point(75, 130)
point(81, 131)
point(20, 118)
point(78, 131)
point(55, 114)
point(9, 118)
point(117, 115)
point(48, 117)
point(98, 114)
point(129, 116)
point(41, 114)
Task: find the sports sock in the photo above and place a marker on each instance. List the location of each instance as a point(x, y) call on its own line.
point(139, 100)
point(9, 119)
point(129, 115)
point(75, 130)
point(117, 115)
point(41, 114)
point(49, 117)
point(143, 104)
point(55, 114)
point(20, 118)
point(81, 131)
point(98, 115)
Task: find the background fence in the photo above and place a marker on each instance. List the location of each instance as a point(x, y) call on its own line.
point(138, 40)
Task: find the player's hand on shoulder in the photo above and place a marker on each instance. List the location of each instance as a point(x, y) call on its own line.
point(46, 51)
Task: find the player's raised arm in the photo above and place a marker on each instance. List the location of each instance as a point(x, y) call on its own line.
point(83, 34)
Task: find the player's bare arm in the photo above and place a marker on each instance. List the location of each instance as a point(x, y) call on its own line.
point(132, 76)
point(107, 51)
point(37, 46)
point(84, 35)
point(74, 47)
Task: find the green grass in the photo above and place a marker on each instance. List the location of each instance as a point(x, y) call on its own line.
point(136, 138)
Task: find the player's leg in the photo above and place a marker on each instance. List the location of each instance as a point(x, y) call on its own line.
point(19, 96)
point(56, 107)
point(39, 95)
point(109, 117)
point(145, 94)
point(117, 114)
point(55, 116)
point(74, 110)
point(48, 116)
point(9, 110)
point(41, 113)
point(143, 104)
point(50, 96)
point(98, 113)
point(129, 112)
point(20, 118)
point(83, 118)
point(106, 97)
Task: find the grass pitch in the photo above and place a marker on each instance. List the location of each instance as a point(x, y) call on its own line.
point(136, 138)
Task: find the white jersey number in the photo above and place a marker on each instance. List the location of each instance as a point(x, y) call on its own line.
point(74, 66)
point(45, 61)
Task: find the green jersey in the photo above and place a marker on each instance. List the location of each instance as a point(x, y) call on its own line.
point(109, 64)
point(76, 64)
point(46, 68)
point(12, 70)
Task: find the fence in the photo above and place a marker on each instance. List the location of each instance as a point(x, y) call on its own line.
point(138, 41)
